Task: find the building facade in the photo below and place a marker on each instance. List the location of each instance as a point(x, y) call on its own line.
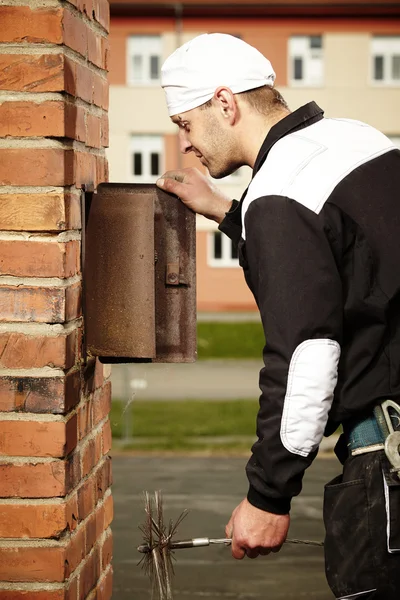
point(344, 54)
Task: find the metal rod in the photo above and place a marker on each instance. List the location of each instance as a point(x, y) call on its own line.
point(199, 542)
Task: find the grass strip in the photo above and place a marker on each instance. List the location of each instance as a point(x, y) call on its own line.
point(185, 425)
point(230, 340)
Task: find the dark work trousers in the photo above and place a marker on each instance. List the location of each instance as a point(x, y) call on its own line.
point(362, 522)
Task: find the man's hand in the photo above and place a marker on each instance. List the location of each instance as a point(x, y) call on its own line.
point(254, 531)
point(197, 192)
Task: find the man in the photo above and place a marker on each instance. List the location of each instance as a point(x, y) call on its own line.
point(318, 237)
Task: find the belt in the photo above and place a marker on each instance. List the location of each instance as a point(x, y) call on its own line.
point(364, 435)
point(369, 434)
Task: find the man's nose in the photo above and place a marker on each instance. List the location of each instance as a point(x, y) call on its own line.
point(184, 145)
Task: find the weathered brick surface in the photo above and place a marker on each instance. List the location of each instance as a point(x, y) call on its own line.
point(90, 574)
point(32, 72)
point(55, 395)
point(108, 511)
point(41, 166)
point(22, 119)
point(39, 212)
point(20, 351)
point(104, 588)
point(47, 520)
point(39, 259)
point(107, 550)
point(38, 438)
point(41, 480)
point(51, 458)
point(23, 24)
point(40, 304)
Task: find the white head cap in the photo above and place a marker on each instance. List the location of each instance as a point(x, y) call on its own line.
point(194, 71)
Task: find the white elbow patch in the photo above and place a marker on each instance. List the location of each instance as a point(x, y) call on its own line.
point(309, 394)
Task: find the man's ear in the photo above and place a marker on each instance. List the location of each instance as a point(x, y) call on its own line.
point(225, 100)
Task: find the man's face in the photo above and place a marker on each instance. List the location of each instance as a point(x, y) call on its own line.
point(201, 131)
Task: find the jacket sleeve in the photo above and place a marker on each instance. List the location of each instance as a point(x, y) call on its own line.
point(232, 223)
point(298, 290)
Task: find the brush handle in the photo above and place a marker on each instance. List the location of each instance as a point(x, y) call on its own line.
point(199, 542)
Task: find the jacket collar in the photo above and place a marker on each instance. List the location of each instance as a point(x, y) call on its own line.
point(299, 119)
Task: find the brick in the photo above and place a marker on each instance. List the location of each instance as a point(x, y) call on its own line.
point(101, 10)
point(85, 168)
point(22, 24)
point(38, 438)
point(78, 80)
point(89, 574)
point(39, 212)
point(24, 119)
point(72, 591)
point(72, 512)
point(75, 32)
point(36, 166)
point(41, 480)
point(75, 127)
point(106, 436)
point(85, 419)
point(56, 395)
point(104, 130)
point(32, 595)
point(39, 259)
point(20, 351)
point(93, 131)
point(102, 403)
point(32, 72)
point(108, 511)
point(73, 470)
point(107, 550)
point(40, 304)
point(106, 481)
point(95, 48)
point(86, 497)
point(32, 564)
point(100, 91)
point(48, 520)
point(88, 457)
point(101, 169)
point(105, 50)
point(105, 586)
point(75, 551)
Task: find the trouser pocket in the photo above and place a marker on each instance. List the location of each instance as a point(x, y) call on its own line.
point(391, 485)
point(349, 562)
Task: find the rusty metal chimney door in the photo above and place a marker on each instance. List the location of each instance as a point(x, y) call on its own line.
point(119, 273)
point(175, 283)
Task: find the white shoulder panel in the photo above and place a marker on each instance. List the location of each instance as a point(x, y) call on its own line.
point(311, 382)
point(307, 165)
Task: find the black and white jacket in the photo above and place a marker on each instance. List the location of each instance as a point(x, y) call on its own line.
point(319, 241)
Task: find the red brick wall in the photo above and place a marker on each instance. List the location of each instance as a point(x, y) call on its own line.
point(55, 474)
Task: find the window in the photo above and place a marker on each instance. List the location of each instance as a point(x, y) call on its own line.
point(146, 162)
point(386, 60)
point(144, 59)
point(222, 252)
point(306, 60)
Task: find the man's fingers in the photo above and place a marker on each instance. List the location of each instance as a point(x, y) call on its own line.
point(252, 553)
point(237, 552)
point(170, 185)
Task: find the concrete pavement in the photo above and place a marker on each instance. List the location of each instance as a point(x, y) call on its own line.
point(207, 379)
point(211, 488)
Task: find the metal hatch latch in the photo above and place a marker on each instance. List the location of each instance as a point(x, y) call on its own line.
point(173, 276)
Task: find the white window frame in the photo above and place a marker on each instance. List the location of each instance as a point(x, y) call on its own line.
point(145, 47)
point(386, 46)
point(226, 260)
point(313, 60)
point(146, 145)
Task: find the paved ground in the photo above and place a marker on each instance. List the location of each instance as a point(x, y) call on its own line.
point(211, 488)
point(222, 379)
